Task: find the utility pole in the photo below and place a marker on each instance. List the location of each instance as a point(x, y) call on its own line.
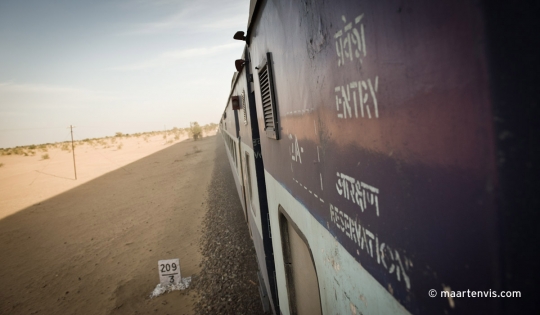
point(73, 150)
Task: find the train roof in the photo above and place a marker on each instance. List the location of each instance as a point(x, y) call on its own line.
point(254, 6)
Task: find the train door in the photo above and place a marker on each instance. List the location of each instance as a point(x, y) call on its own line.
point(265, 248)
point(248, 192)
point(300, 272)
point(240, 165)
point(242, 175)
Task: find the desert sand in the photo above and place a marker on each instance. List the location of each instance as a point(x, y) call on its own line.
point(92, 245)
point(26, 180)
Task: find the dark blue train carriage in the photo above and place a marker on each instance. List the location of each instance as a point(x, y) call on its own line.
point(385, 152)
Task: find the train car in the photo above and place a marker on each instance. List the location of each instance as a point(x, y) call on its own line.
point(385, 155)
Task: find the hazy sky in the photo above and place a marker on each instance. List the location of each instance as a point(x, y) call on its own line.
point(108, 66)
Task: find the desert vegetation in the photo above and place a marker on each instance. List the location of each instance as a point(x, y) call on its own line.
point(194, 131)
point(209, 128)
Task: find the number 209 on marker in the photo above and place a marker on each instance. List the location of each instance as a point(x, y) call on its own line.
point(169, 271)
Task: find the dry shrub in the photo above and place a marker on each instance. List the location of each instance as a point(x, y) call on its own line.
point(195, 130)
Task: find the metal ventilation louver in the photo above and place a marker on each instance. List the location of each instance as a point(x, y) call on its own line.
point(268, 98)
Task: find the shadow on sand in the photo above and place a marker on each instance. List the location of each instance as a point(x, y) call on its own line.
point(94, 249)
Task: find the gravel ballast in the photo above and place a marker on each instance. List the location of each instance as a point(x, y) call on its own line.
point(228, 282)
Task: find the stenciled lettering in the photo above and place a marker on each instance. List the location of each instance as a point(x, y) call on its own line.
point(389, 258)
point(360, 193)
point(358, 99)
point(351, 41)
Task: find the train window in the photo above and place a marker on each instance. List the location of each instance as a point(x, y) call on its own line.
point(300, 273)
point(266, 83)
point(243, 100)
point(232, 148)
point(237, 158)
point(248, 179)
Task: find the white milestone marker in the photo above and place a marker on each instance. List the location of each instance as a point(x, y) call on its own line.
point(169, 271)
